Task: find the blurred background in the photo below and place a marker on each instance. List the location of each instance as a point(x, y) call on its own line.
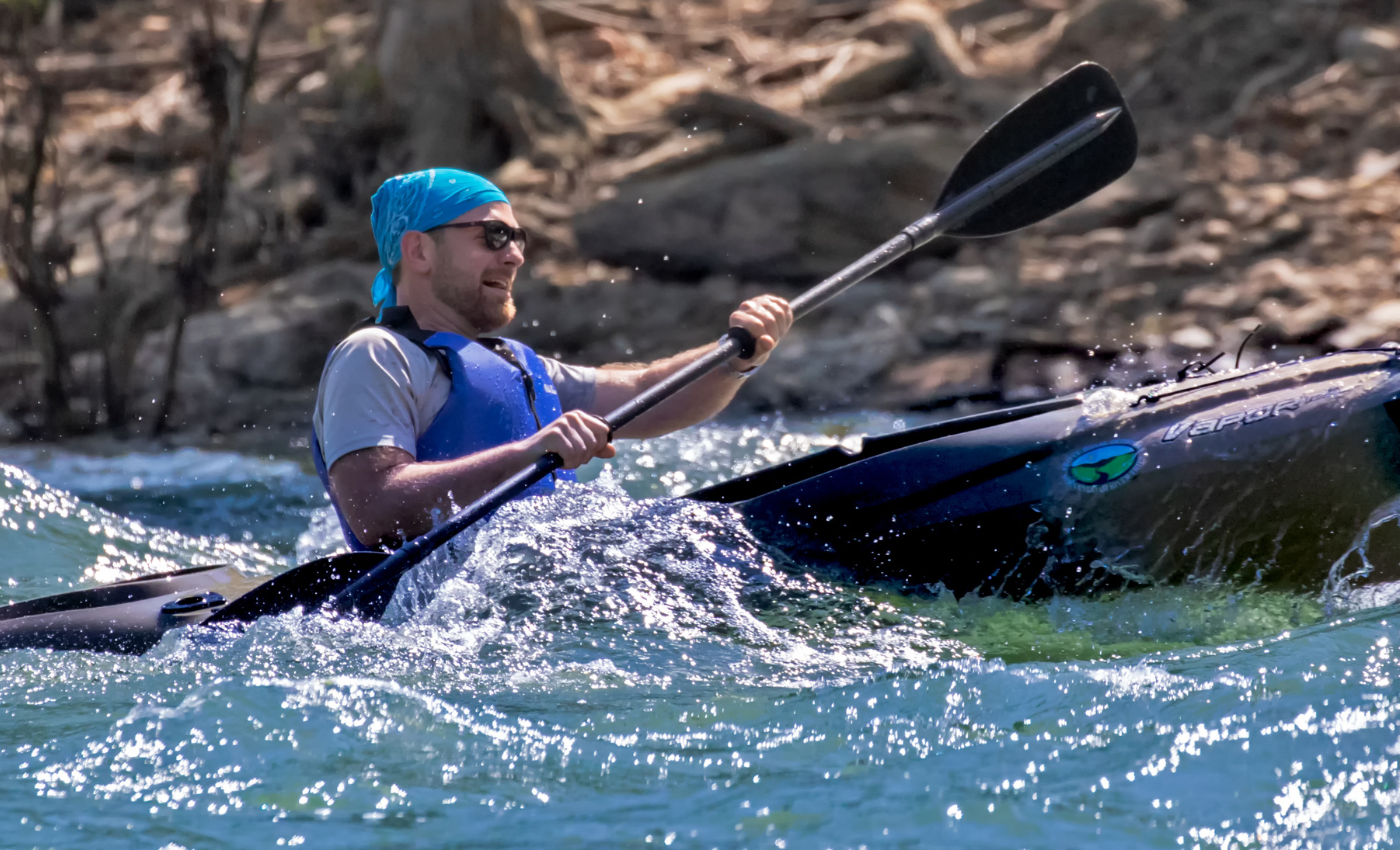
point(186, 190)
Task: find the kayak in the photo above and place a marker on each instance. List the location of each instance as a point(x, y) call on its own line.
point(126, 616)
point(1286, 475)
point(131, 616)
point(1068, 140)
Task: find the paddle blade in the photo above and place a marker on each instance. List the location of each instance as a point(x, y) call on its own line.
point(307, 587)
point(1076, 94)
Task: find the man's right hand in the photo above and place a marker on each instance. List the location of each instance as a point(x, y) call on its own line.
point(577, 437)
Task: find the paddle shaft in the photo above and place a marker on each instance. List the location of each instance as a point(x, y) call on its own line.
point(916, 235)
point(953, 214)
point(383, 578)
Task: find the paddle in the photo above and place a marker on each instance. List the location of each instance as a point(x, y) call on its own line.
point(1007, 180)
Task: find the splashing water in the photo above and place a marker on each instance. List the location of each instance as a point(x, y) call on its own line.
point(1346, 588)
point(1107, 401)
point(42, 527)
point(604, 668)
point(196, 492)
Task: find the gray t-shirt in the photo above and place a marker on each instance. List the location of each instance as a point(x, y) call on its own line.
point(379, 389)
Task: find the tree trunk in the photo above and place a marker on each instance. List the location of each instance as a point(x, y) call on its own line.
point(31, 265)
point(113, 389)
point(223, 81)
point(53, 355)
point(478, 84)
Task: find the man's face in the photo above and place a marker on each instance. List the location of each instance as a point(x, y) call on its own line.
point(471, 279)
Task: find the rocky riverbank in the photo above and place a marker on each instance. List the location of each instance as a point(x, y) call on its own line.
point(723, 149)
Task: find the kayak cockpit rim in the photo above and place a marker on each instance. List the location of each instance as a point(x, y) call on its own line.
point(773, 478)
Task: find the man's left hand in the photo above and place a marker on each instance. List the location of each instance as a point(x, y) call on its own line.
point(768, 318)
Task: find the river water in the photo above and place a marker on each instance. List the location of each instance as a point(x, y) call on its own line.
point(611, 667)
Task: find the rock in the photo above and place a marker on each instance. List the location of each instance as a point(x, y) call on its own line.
point(969, 282)
point(281, 346)
point(1193, 337)
point(656, 97)
point(1148, 189)
point(1030, 371)
point(641, 320)
point(798, 212)
point(1372, 166)
point(272, 344)
point(1374, 51)
point(1385, 315)
point(733, 113)
point(1214, 296)
point(281, 338)
point(1218, 230)
point(1155, 233)
point(1305, 324)
point(1195, 258)
point(1380, 324)
point(1382, 129)
point(939, 379)
point(1198, 202)
point(816, 371)
point(1278, 278)
point(1314, 189)
point(924, 26)
point(1286, 230)
point(870, 72)
point(1118, 34)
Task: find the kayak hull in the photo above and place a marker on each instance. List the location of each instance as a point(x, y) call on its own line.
point(131, 616)
point(1268, 476)
point(127, 616)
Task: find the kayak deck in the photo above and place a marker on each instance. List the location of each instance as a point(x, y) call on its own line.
point(1263, 475)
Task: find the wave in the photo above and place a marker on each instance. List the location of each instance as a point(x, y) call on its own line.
point(52, 541)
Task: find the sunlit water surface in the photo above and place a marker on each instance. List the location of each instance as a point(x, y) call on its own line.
point(610, 667)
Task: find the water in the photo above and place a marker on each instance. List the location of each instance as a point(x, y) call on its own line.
point(607, 668)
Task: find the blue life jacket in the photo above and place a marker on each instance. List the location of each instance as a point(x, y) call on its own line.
point(499, 395)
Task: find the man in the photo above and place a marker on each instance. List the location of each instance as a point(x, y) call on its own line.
point(425, 410)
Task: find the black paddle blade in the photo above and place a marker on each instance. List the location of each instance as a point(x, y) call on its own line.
point(1075, 95)
point(307, 587)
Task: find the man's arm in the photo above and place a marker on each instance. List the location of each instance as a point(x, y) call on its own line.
point(388, 497)
point(767, 317)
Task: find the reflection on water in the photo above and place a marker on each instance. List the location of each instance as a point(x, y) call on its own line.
point(605, 668)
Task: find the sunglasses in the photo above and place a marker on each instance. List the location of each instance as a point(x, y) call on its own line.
point(497, 234)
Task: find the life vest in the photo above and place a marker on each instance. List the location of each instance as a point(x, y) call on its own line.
point(499, 395)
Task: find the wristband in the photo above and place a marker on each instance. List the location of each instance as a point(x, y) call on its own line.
point(740, 374)
point(747, 340)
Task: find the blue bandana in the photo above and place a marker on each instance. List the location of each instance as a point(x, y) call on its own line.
point(419, 201)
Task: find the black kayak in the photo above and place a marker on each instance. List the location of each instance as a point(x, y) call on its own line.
point(1269, 475)
point(1265, 475)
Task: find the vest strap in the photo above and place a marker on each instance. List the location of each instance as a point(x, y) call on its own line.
point(400, 320)
point(501, 392)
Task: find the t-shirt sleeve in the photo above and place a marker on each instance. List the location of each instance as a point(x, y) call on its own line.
point(368, 396)
point(577, 385)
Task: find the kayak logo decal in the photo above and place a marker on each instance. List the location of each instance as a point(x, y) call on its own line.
point(1103, 467)
point(1202, 427)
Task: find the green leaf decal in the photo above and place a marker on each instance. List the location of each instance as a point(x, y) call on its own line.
point(1103, 464)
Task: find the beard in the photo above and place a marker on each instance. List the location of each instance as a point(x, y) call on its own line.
point(471, 300)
